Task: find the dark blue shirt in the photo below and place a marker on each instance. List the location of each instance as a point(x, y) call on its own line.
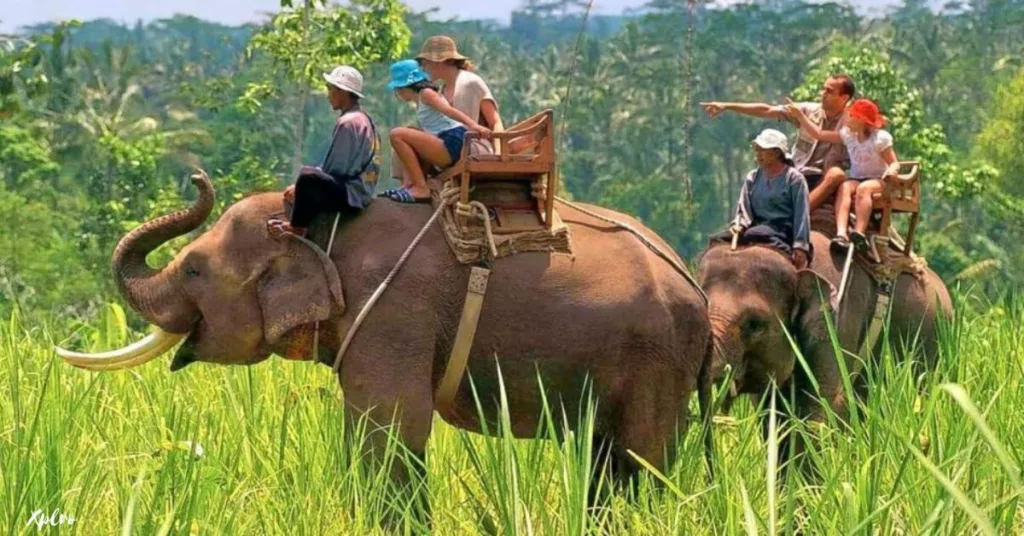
point(779, 202)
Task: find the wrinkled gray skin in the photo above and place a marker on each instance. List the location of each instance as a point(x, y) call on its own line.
point(615, 312)
point(754, 290)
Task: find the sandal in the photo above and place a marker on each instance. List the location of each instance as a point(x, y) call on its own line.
point(388, 193)
point(402, 195)
point(859, 241)
point(841, 242)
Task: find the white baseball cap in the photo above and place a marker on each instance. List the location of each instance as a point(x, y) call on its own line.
point(770, 138)
point(347, 79)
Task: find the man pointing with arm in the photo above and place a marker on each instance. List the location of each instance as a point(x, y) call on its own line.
point(812, 158)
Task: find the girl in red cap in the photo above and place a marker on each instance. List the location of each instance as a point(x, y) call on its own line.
point(872, 160)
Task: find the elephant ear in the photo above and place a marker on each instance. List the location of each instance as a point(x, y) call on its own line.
point(298, 286)
point(815, 304)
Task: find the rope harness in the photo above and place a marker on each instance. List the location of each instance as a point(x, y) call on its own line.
point(477, 287)
point(383, 286)
point(644, 240)
point(456, 367)
point(474, 209)
point(330, 245)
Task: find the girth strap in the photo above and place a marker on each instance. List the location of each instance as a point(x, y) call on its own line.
point(877, 318)
point(456, 368)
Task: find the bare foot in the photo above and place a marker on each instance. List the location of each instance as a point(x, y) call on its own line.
point(277, 228)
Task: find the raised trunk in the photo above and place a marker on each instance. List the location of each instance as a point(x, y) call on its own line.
point(149, 291)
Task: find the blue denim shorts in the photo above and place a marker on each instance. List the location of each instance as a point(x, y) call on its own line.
point(453, 139)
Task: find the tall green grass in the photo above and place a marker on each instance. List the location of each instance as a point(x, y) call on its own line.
point(260, 450)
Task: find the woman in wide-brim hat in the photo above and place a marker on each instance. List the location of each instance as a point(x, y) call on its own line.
point(461, 86)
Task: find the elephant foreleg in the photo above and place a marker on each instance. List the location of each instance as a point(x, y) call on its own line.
point(389, 406)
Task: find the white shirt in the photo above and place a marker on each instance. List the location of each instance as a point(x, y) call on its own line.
point(470, 92)
point(866, 156)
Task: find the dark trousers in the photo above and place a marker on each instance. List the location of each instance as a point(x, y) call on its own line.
point(813, 180)
point(758, 234)
point(316, 192)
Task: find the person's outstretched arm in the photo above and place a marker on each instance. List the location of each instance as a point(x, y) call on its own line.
point(759, 109)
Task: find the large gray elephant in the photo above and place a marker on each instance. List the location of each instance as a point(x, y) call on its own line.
point(613, 315)
point(755, 292)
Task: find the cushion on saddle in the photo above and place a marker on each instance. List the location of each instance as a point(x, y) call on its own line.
point(468, 238)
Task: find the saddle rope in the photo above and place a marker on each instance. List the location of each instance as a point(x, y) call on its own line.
point(644, 240)
point(474, 208)
point(330, 245)
point(383, 286)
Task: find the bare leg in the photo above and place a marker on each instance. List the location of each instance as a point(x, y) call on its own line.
point(832, 180)
point(412, 144)
point(843, 201)
point(865, 201)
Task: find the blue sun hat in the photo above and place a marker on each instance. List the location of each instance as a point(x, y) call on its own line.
point(406, 73)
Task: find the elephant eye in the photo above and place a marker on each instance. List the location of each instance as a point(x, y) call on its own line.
point(754, 325)
point(191, 272)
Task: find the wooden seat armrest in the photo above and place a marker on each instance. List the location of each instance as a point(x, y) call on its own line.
point(913, 174)
point(506, 135)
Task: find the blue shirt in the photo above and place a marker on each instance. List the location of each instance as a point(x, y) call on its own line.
point(778, 202)
point(353, 158)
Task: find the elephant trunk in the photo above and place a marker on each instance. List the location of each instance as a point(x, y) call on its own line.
point(728, 350)
point(150, 291)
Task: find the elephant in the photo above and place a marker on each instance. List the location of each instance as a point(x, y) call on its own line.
point(613, 318)
point(755, 292)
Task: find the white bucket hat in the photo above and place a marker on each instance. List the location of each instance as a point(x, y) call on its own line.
point(770, 138)
point(347, 79)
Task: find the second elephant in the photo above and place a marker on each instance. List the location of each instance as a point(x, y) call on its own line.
point(755, 291)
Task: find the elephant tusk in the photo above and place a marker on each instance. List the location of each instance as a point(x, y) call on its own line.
point(149, 348)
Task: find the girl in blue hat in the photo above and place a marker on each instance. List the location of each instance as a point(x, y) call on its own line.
point(439, 143)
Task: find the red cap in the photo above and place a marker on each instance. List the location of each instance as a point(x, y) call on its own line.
point(867, 112)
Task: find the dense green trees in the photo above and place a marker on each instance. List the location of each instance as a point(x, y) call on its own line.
point(102, 123)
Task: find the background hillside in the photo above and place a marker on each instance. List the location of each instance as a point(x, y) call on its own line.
point(102, 122)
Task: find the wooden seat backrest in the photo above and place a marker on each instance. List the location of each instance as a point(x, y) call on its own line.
point(531, 140)
point(900, 194)
point(903, 193)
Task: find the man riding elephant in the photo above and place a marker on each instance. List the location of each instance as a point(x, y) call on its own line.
point(615, 319)
point(819, 162)
point(772, 208)
point(345, 181)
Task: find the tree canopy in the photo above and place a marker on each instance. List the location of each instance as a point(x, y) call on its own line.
point(103, 123)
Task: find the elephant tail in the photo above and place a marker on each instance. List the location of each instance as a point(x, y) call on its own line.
point(705, 399)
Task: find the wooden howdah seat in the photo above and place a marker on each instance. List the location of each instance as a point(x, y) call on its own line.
point(523, 163)
point(900, 195)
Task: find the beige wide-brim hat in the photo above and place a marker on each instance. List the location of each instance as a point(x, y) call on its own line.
point(440, 48)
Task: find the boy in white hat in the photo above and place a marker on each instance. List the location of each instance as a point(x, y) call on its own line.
point(346, 179)
point(773, 205)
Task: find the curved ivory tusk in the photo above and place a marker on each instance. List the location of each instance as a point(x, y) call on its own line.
point(152, 346)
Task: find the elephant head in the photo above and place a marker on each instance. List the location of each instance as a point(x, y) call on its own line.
point(758, 302)
point(233, 294)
